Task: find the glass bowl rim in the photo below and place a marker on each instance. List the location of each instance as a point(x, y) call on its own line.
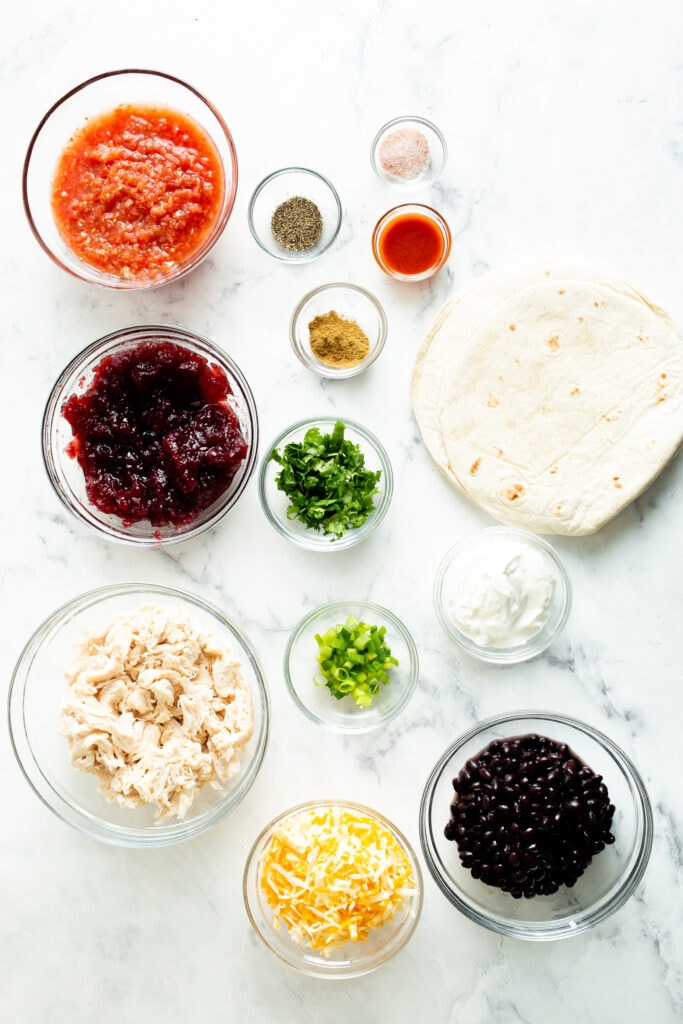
point(321, 543)
point(521, 652)
point(431, 214)
point(105, 345)
point(315, 364)
point(231, 181)
point(84, 821)
point(306, 255)
point(395, 122)
point(416, 902)
point(400, 627)
point(586, 919)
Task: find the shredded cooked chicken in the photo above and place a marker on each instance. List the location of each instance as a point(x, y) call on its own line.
point(155, 710)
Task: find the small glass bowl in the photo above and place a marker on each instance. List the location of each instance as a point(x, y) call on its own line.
point(349, 301)
point(408, 152)
point(274, 502)
point(97, 96)
point(465, 559)
point(316, 701)
point(65, 474)
point(608, 881)
point(286, 184)
point(35, 696)
point(354, 958)
point(410, 210)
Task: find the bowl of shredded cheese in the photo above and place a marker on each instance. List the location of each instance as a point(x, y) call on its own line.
point(139, 714)
point(333, 889)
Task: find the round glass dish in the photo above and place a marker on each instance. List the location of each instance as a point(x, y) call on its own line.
point(350, 302)
point(66, 476)
point(277, 188)
point(411, 242)
point(352, 959)
point(608, 881)
point(275, 502)
point(36, 693)
point(316, 701)
point(97, 96)
point(408, 152)
point(488, 588)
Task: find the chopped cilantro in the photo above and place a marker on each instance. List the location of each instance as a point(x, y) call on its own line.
point(325, 479)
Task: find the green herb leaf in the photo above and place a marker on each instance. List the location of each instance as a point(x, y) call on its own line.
point(325, 479)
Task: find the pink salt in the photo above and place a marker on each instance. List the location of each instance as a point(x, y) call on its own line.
point(404, 153)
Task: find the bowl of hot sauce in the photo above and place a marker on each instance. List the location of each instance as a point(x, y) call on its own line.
point(411, 242)
point(130, 179)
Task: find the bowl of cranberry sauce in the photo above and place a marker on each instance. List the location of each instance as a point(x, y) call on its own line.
point(150, 435)
point(130, 179)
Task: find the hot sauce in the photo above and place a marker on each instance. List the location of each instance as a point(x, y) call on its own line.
point(411, 241)
point(137, 191)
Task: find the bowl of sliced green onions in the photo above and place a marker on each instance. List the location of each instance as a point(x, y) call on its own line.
point(351, 666)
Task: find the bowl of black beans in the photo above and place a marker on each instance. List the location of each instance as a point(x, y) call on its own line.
point(536, 825)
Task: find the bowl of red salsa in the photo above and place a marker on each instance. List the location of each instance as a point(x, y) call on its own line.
point(411, 242)
point(150, 435)
point(129, 179)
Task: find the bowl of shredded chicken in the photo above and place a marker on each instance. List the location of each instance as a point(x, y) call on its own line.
point(333, 889)
point(162, 714)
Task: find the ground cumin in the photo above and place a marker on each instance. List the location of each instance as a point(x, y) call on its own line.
point(337, 340)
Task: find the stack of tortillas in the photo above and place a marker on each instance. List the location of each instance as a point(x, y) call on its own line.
point(552, 398)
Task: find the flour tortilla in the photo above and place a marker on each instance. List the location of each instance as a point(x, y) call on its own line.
point(551, 397)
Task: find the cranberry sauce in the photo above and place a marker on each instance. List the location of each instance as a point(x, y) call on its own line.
point(154, 434)
point(529, 815)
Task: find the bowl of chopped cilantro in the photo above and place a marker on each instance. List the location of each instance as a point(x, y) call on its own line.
point(325, 483)
point(351, 666)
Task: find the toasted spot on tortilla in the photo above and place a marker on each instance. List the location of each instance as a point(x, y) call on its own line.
point(514, 493)
point(492, 401)
point(512, 327)
point(475, 466)
point(575, 391)
point(554, 342)
point(617, 483)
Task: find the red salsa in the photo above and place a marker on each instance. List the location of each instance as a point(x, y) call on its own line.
point(137, 191)
point(411, 243)
point(155, 435)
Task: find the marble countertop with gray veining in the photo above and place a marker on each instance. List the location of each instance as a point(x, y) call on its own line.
point(564, 125)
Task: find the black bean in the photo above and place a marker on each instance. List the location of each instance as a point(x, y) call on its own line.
point(528, 815)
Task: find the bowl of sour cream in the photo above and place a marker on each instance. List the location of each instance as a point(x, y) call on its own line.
point(502, 594)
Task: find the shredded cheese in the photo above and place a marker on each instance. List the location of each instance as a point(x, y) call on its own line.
point(332, 874)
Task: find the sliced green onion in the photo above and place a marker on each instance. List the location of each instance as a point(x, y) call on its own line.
point(354, 660)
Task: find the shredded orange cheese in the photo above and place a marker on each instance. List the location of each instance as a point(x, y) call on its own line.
point(332, 874)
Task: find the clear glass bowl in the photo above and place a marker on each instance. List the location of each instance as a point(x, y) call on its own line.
point(316, 701)
point(388, 219)
point(467, 559)
point(408, 152)
point(354, 958)
point(275, 502)
point(97, 96)
point(285, 184)
point(608, 881)
point(66, 476)
point(349, 301)
point(36, 692)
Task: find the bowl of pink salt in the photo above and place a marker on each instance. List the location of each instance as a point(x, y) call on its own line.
point(408, 152)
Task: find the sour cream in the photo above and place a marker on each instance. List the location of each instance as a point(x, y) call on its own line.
point(502, 594)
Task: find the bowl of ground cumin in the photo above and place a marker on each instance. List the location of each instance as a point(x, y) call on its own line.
point(338, 330)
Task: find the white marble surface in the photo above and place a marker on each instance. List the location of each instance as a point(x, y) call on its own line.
point(565, 130)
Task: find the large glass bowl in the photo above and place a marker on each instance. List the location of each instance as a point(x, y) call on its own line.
point(608, 881)
point(352, 959)
point(275, 502)
point(96, 96)
point(38, 687)
point(66, 476)
point(316, 701)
